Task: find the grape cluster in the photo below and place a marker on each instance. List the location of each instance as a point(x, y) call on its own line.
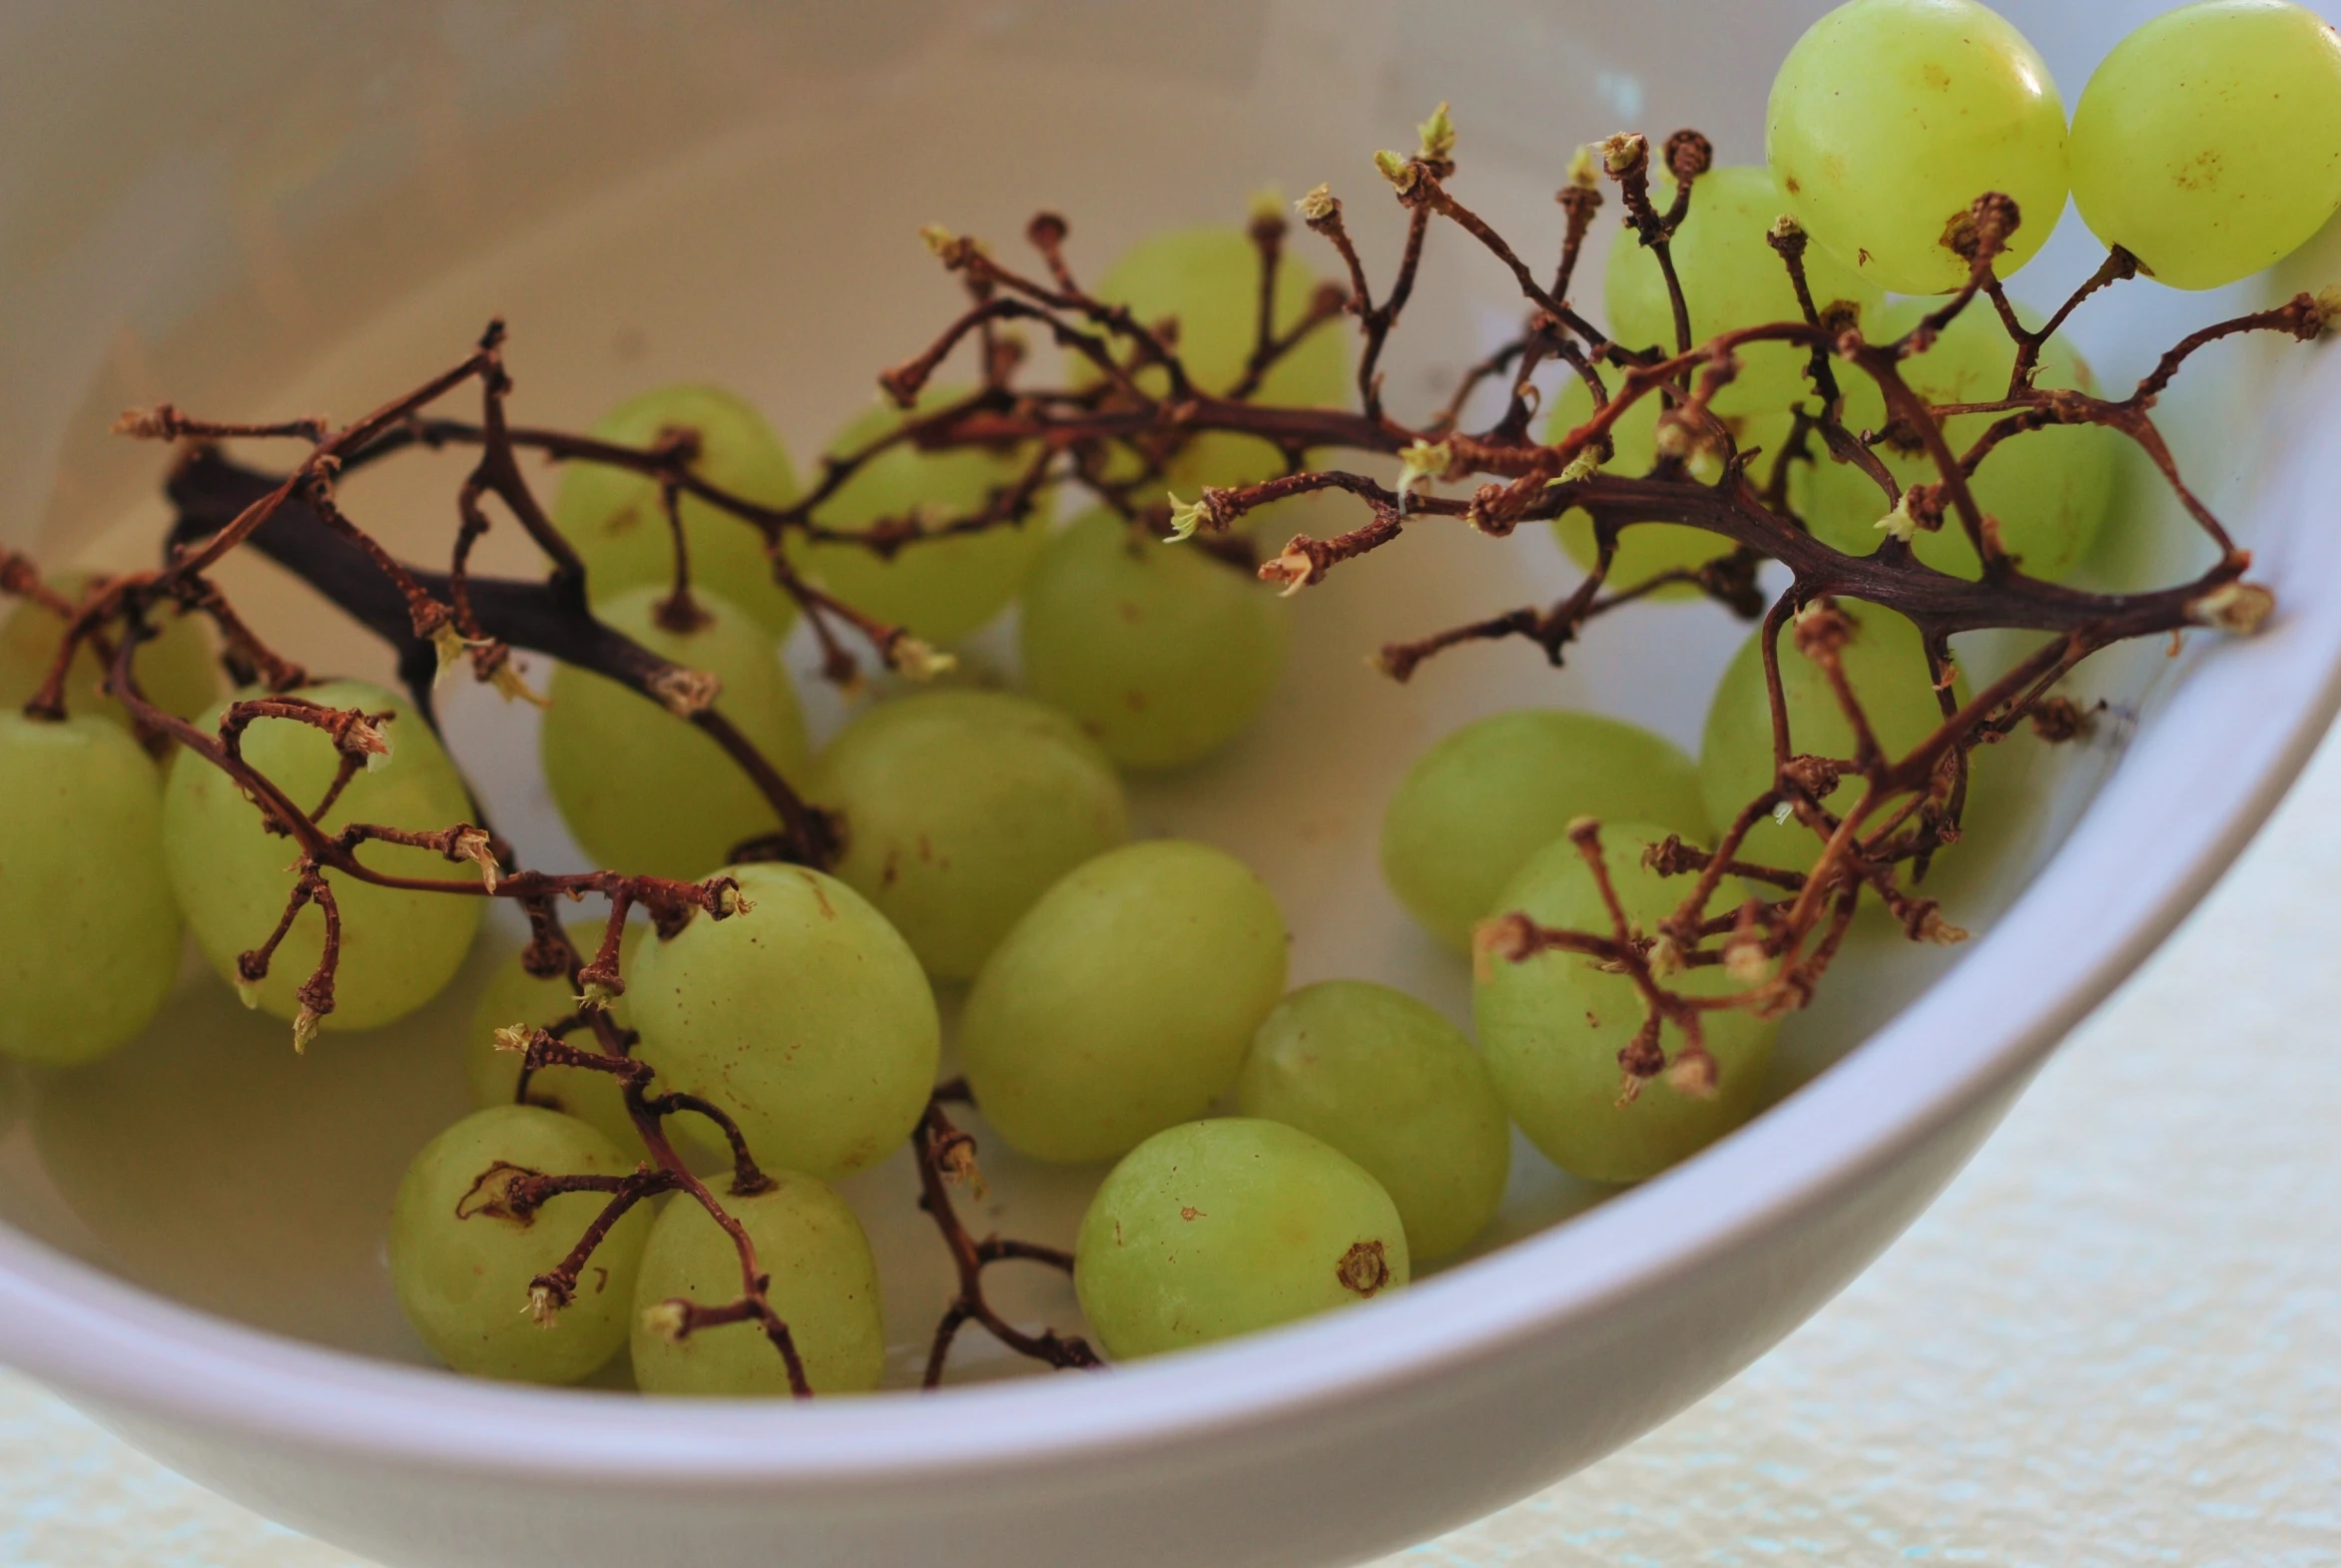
point(667, 1094)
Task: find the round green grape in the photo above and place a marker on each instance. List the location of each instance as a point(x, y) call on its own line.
point(1646, 550)
point(1208, 280)
point(1474, 806)
point(1161, 652)
point(807, 1018)
point(618, 525)
point(515, 996)
point(1225, 1227)
point(646, 792)
point(1397, 1088)
point(1731, 278)
point(232, 876)
point(962, 808)
point(1885, 662)
point(823, 1287)
point(1124, 1001)
point(462, 1263)
point(176, 667)
point(2050, 489)
point(940, 589)
point(2209, 142)
point(1552, 1026)
point(1891, 117)
point(89, 933)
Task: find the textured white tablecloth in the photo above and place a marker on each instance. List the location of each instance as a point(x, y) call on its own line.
point(2117, 1340)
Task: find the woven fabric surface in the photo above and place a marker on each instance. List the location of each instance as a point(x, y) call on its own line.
point(2117, 1340)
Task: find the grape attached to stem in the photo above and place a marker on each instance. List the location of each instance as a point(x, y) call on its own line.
point(2209, 142)
point(1227, 1227)
point(1891, 117)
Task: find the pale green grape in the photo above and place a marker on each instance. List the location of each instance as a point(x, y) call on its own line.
point(2050, 489)
point(1476, 806)
point(1208, 280)
point(962, 808)
point(942, 589)
point(463, 1264)
point(1397, 1088)
point(1647, 549)
point(807, 1018)
point(1552, 1026)
point(2208, 144)
point(1124, 1001)
point(175, 668)
point(1225, 1227)
point(644, 791)
point(1885, 663)
point(232, 876)
point(823, 1285)
point(515, 996)
point(89, 933)
point(618, 524)
point(1731, 278)
point(1161, 652)
point(1891, 117)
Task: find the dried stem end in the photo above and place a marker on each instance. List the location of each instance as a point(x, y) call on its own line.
point(915, 660)
point(2328, 311)
point(1504, 939)
point(670, 1320)
point(1625, 154)
point(474, 845)
point(1745, 960)
point(2241, 608)
point(683, 693)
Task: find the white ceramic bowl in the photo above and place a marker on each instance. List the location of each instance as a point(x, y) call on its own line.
point(294, 207)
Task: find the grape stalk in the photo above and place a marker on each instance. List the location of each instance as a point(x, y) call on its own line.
point(1112, 435)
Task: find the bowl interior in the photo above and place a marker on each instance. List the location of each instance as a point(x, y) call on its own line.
point(736, 201)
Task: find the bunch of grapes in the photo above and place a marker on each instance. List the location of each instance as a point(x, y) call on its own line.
point(667, 1093)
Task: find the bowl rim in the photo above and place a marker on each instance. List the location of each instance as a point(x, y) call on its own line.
point(2200, 779)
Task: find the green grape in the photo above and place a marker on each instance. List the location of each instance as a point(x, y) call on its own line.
point(942, 589)
point(1891, 117)
point(1647, 549)
point(1208, 280)
point(1124, 1001)
point(807, 1018)
point(175, 668)
point(463, 1264)
point(89, 933)
point(1225, 1227)
point(647, 792)
point(234, 878)
point(962, 808)
point(616, 523)
point(1552, 1026)
point(515, 996)
point(1161, 652)
point(1731, 278)
point(1885, 663)
point(2209, 142)
point(1474, 806)
point(1397, 1088)
point(2050, 489)
point(823, 1285)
